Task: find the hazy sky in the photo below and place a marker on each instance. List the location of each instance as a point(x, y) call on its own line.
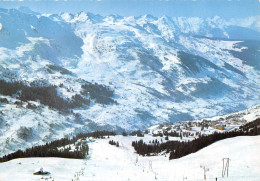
point(200, 8)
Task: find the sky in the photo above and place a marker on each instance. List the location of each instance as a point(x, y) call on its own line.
point(183, 8)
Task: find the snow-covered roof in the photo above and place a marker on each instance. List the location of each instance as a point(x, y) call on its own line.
point(38, 170)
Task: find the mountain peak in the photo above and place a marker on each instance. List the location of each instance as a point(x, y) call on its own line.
point(152, 71)
point(149, 16)
point(26, 10)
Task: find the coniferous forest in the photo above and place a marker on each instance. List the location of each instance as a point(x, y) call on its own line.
point(48, 95)
point(51, 149)
point(179, 149)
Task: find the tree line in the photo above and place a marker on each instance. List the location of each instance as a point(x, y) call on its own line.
point(51, 149)
point(95, 134)
point(48, 95)
point(48, 150)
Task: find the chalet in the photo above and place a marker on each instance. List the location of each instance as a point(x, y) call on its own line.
point(234, 121)
point(188, 128)
point(198, 124)
point(39, 171)
point(220, 127)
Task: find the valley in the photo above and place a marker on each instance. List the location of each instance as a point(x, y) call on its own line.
point(85, 72)
point(86, 96)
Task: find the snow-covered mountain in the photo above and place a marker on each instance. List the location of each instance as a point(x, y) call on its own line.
point(137, 71)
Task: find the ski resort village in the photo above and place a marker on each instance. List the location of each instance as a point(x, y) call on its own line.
point(195, 128)
point(129, 90)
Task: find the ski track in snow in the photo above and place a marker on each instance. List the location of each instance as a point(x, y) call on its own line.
point(107, 162)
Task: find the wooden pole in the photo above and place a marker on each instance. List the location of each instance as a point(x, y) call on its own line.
point(225, 166)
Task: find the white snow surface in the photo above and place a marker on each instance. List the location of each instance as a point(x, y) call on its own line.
point(138, 57)
point(107, 162)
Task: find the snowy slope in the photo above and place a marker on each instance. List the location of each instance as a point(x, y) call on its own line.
point(107, 162)
point(162, 69)
point(249, 114)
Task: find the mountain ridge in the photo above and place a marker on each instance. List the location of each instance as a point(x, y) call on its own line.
point(159, 71)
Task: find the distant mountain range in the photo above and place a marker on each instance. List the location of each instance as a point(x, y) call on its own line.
point(81, 72)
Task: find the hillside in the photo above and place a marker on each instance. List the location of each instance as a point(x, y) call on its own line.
point(67, 73)
point(107, 162)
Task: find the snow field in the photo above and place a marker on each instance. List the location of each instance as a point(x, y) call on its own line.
point(107, 162)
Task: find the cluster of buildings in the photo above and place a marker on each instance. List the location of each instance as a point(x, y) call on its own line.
point(198, 127)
